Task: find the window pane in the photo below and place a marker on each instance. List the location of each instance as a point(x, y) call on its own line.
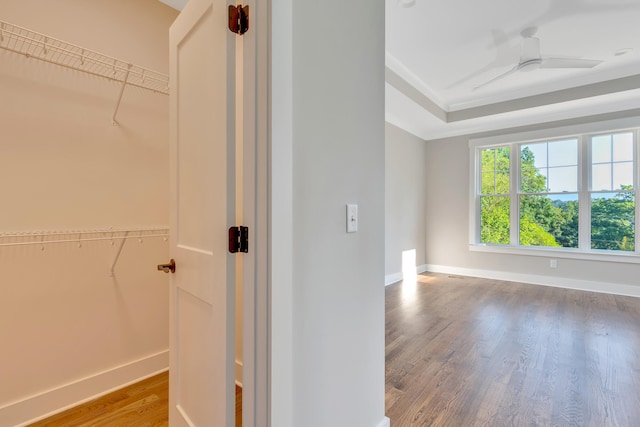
point(612, 162)
point(534, 180)
point(623, 147)
point(488, 160)
point(533, 171)
point(563, 153)
point(488, 183)
point(613, 221)
point(557, 167)
point(494, 219)
point(549, 221)
point(495, 171)
point(538, 152)
point(601, 149)
point(563, 179)
point(502, 182)
point(601, 177)
point(622, 176)
point(502, 158)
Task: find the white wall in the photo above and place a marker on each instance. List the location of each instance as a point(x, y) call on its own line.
point(447, 233)
point(328, 150)
point(281, 216)
point(405, 200)
point(68, 329)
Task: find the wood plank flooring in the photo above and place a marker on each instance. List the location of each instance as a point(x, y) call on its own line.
point(144, 404)
point(465, 352)
point(476, 352)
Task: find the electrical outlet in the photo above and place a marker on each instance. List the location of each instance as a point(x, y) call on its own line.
point(352, 218)
point(553, 263)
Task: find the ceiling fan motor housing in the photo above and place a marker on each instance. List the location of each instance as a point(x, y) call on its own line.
point(530, 49)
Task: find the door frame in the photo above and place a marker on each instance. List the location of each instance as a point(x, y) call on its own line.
point(256, 215)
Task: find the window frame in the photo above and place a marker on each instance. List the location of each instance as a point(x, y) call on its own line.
point(635, 182)
point(584, 134)
point(494, 194)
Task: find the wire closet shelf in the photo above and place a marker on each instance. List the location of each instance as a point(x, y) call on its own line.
point(35, 45)
point(78, 237)
point(25, 238)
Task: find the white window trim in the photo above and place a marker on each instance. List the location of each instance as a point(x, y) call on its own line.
point(583, 132)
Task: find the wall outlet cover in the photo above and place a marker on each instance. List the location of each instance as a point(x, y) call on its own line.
point(352, 218)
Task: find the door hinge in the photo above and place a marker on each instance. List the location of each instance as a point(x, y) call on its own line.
point(238, 239)
point(239, 19)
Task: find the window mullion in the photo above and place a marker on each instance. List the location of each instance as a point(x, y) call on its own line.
point(514, 192)
point(636, 190)
point(584, 195)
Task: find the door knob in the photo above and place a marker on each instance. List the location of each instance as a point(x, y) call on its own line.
point(168, 268)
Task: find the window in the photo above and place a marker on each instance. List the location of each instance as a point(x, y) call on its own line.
point(549, 194)
point(611, 192)
point(494, 197)
point(575, 194)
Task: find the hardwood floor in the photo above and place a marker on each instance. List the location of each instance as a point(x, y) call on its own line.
point(144, 404)
point(465, 352)
point(476, 352)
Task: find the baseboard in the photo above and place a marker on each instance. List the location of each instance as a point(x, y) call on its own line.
point(42, 405)
point(535, 279)
point(386, 422)
point(238, 373)
point(390, 279)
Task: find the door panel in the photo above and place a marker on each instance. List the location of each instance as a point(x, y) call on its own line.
point(202, 209)
point(194, 322)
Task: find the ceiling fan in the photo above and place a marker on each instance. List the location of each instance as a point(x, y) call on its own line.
point(531, 59)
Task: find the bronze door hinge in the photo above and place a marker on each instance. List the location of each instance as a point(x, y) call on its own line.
point(238, 239)
point(239, 19)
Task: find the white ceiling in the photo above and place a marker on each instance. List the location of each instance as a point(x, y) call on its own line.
point(437, 51)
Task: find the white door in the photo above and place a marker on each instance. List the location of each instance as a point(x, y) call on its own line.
point(202, 141)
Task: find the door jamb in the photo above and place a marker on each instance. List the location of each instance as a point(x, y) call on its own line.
point(256, 299)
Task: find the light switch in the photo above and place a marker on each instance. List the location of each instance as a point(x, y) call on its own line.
point(352, 218)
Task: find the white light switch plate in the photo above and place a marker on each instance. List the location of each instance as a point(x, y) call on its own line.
point(352, 218)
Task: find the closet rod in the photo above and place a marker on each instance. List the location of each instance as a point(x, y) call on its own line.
point(36, 45)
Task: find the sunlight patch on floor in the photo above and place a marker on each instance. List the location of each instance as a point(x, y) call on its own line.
point(409, 275)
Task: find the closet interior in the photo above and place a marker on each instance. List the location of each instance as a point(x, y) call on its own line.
point(84, 219)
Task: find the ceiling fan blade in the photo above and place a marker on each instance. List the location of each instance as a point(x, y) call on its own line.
point(498, 77)
point(569, 63)
point(504, 53)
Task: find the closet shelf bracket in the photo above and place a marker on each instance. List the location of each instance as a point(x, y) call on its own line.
point(115, 259)
point(124, 83)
